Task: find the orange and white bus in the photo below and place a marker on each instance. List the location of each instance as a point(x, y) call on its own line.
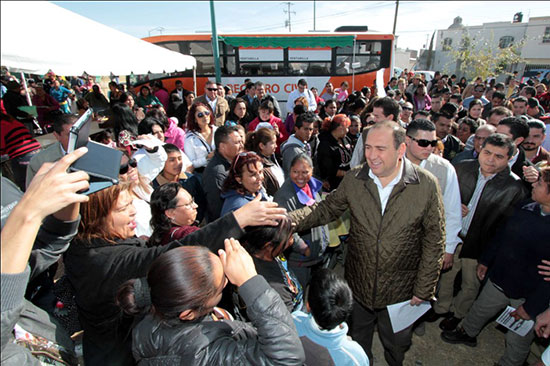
point(280, 60)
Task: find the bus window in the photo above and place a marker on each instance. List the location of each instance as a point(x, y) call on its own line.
point(309, 68)
point(261, 68)
point(200, 48)
point(205, 65)
point(172, 46)
point(228, 65)
point(367, 63)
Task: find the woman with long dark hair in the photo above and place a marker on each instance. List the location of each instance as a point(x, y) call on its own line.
point(146, 99)
point(182, 324)
point(173, 214)
point(267, 245)
point(238, 113)
point(125, 126)
point(106, 253)
point(264, 143)
point(199, 141)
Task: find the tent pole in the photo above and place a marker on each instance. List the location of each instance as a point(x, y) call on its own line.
point(29, 101)
point(26, 89)
point(215, 43)
point(195, 80)
point(352, 66)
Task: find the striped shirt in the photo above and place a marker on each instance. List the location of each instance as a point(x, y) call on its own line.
point(16, 139)
point(472, 205)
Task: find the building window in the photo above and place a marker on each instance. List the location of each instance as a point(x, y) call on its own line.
point(505, 42)
point(447, 42)
point(546, 36)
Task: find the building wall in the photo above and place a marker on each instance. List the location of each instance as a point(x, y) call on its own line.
point(535, 51)
point(405, 59)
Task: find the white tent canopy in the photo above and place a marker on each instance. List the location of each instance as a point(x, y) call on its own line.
point(31, 43)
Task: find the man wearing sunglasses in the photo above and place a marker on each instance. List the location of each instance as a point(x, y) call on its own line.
point(406, 113)
point(218, 104)
point(421, 140)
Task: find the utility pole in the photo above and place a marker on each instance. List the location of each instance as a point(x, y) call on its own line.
point(288, 4)
point(394, 39)
point(395, 17)
point(215, 43)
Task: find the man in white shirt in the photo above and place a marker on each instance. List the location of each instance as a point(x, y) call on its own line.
point(396, 242)
point(302, 91)
point(420, 141)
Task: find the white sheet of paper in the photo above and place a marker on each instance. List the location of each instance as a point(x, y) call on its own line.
point(380, 83)
point(521, 327)
point(404, 314)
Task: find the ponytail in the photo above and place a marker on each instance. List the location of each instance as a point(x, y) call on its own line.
point(134, 296)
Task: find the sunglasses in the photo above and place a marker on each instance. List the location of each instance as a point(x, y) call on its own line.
point(124, 167)
point(202, 114)
point(407, 109)
point(212, 89)
point(424, 143)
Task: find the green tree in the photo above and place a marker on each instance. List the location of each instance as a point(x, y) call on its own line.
point(484, 58)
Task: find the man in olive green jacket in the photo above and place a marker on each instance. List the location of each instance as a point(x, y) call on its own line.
point(397, 236)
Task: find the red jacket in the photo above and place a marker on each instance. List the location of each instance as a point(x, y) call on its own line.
point(277, 124)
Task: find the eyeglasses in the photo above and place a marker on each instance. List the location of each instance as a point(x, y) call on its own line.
point(407, 109)
point(189, 205)
point(203, 114)
point(124, 167)
point(212, 89)
point(424, 143)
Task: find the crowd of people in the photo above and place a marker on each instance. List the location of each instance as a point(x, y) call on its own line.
point(215, 246)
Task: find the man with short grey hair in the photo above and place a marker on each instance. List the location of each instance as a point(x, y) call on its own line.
point(396, 240)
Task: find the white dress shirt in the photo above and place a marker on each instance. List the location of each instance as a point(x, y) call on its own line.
point(385, 192)
point(453, 209)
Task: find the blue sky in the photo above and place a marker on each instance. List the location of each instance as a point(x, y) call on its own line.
point(417, 19)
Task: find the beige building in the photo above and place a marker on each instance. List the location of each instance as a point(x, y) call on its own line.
point(535, 50)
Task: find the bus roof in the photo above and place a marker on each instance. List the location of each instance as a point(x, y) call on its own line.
point(207, 36)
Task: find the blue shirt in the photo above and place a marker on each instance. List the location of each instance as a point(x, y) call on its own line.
point(61, 94)
point(344, 352)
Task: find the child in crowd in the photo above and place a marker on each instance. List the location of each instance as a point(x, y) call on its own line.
point(323, 332)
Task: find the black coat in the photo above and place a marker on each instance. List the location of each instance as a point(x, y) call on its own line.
point(517, 168)
point(495, 204)
point(212, 179)
point(514, 253)
point(271, 339)
point(331, 157)
point(97, 268)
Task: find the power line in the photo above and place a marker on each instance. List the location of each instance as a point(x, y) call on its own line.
point(307, 20)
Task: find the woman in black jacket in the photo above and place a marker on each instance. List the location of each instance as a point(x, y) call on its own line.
point(334, 151)
point(183, 327)
point(106, 254)
point(266, 244)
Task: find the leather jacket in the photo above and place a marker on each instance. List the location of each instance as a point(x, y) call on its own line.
point(496, 203)
point(271, 339)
